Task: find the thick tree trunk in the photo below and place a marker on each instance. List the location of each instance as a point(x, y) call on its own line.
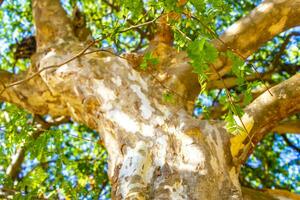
point(156, 149)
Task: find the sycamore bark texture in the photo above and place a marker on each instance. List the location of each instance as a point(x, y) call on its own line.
point(156, 149)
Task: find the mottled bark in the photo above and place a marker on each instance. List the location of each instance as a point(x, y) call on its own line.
point(265, 112)
point(267, 20)
point(156, 149)
point(53, 25)
point(32, 95)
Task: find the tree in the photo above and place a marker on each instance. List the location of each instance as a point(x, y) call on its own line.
point(140, 101)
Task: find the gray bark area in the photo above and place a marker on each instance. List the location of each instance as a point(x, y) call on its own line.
point(156, 149)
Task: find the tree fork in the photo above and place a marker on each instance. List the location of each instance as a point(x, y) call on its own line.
point(156, 149)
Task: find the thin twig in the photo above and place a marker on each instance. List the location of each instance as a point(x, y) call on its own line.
point(14, 66)
point(283, 47)
point(183, 34)
point(81, 138)
point(289, 143)
point(103, 50)
point(232, 104)
point(216, 98)
point(146, 13)
point(139, 25)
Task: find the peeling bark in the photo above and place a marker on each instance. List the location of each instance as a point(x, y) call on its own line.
point(149, 143)
point(266, 111)
point(32, 95)
point(267, 20)
point(156, 150)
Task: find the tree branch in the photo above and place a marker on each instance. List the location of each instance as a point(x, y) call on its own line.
point(245, 36)
point(288, 127)
point(268, 194)
point(52, 24)
point(218, 110)
point(7, 193)
point(271, 17)
point(267, 76)
point(232, 81)
point(290, 144)
point(264, 113)
point(282, 193)
point(283, 47)
point(32, 95)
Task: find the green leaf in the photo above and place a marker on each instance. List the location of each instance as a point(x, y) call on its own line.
point(247, 96)
point(202, 53)
point(238, 68)
point(148, 60)
point(134, 6)
point(230, 123)
point(211, 52)
point(168, 97)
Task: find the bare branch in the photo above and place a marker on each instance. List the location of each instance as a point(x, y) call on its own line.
point(288, 127)
point(140, 25)
point(289, 143)
point(52, 23)
point(35, 74)
point(271, 17)
point(218, 110)
point(268, 194)
point(15, 166)
point(283, 47)
point(282, 194)
point(32, 95)
point(79, 54)
point(232, 81)
point(7, 193)
point(266, 111)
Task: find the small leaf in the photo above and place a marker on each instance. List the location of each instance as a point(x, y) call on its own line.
point(211, 52)
point(148, 60)
point(168, 97)
point(247, 96)
point(237, 64)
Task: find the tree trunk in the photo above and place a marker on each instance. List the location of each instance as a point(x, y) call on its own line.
point(156, 149)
